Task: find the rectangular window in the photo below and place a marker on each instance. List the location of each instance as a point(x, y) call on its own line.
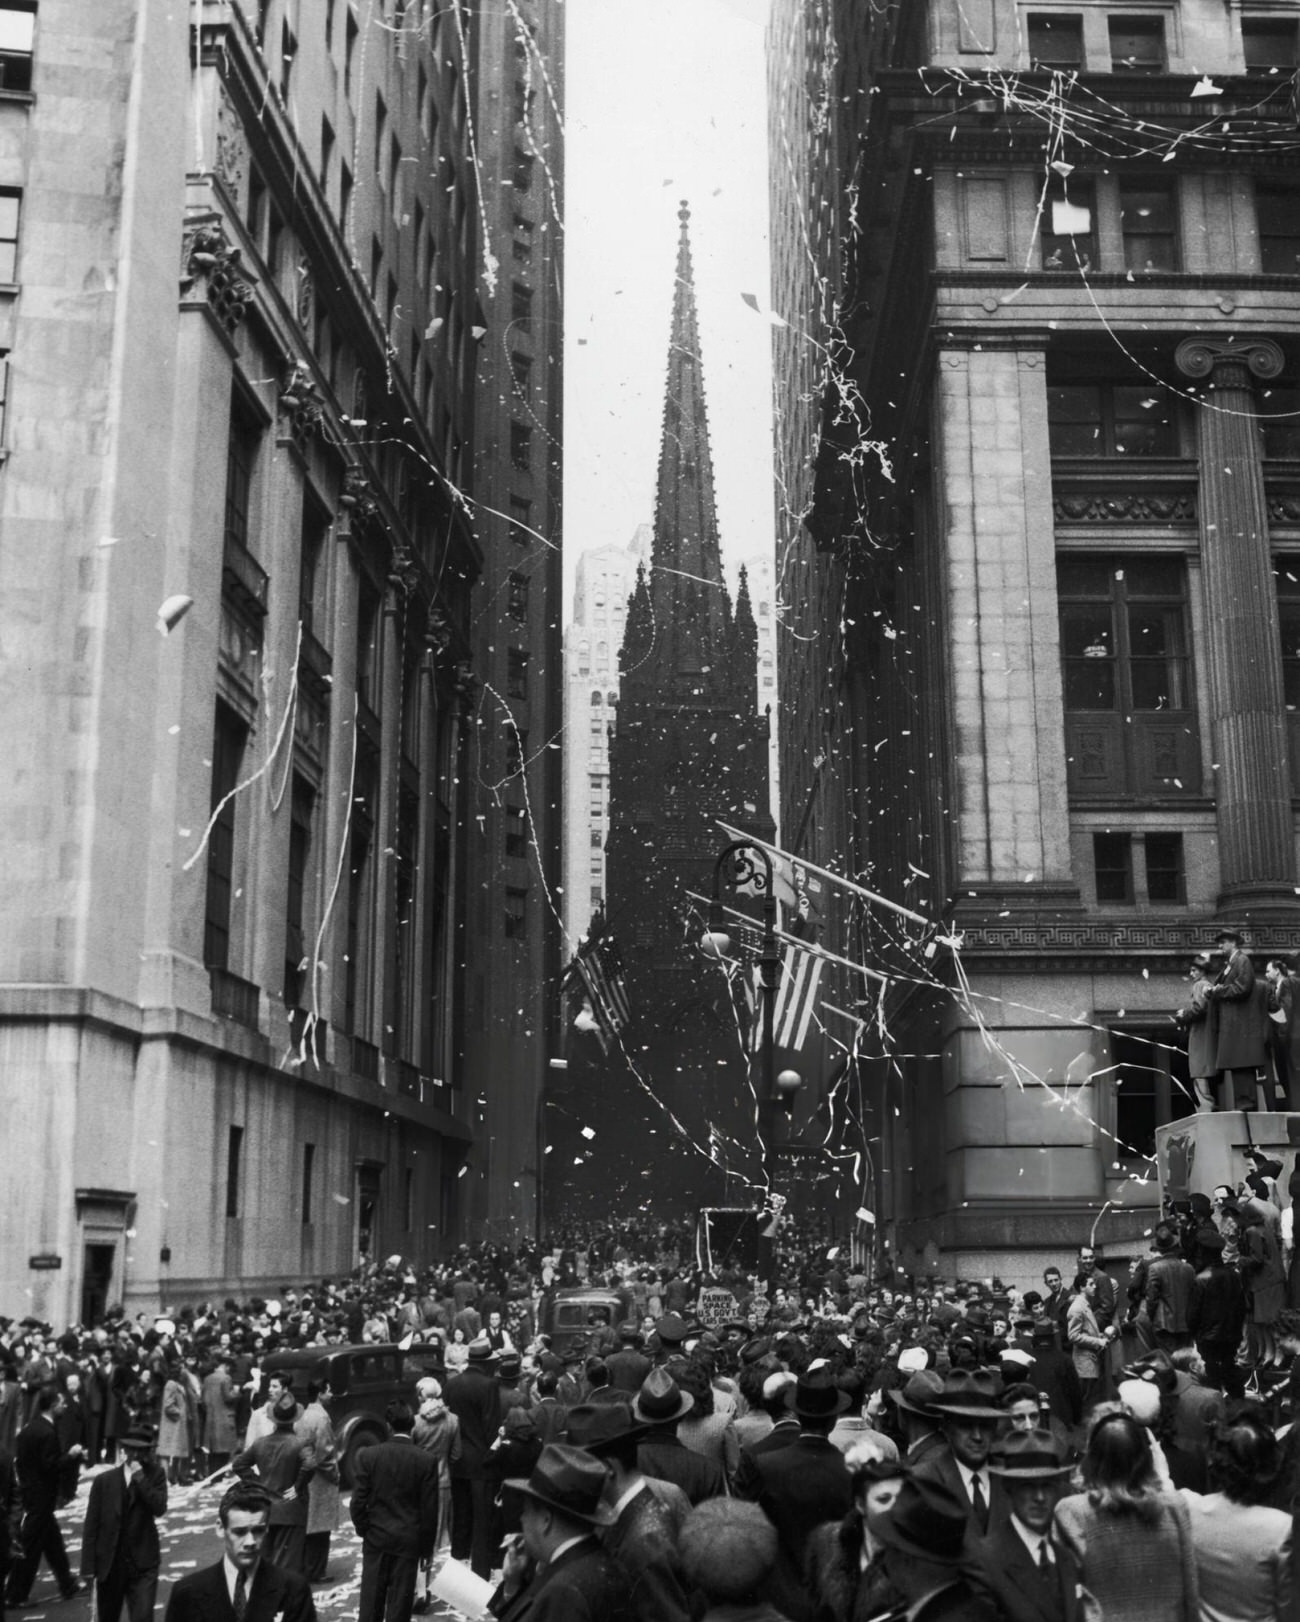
point(597, 842)
point(255, 207)
point(418, 237)
point(390, 303)
point(349, 51)
point(517, 673)
point(376, 267)
point(288, 55)
point(312, 554)
point(345, 194)
point(228, 740)
point(521, 446)
point(521, 307)
point(17, 35)
point(234, 1159)
point(241, 460)
point(1286, 571)
point(1149, 224)
point(516, 831)
point(1151, 1087)
point(326, 154)
point(381, 134)
point(516, 919)
point(1164, 864)
point(516, 751)
point(521, 514)
point(4, 394)
point(1269, 44)
point(308, 1171)
point(408, 1198)
point(521, 171)
point(1069, 240)
point(1112, 863)
point(517, 597)
point(356, 977)
point(10, 204)
point(295, 944)
point(395, 179)
point(596, 895)
point(367, 645)
point(1055, 41)
point(1130, 721)
point(521, 371)
point(1277, 219)
point(1137, 44)
point(1279, 422)
point(1104, 419)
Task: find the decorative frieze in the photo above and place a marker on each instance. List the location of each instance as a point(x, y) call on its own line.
point(1128, 507)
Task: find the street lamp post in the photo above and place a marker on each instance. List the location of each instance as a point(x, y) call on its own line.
point(752, 866)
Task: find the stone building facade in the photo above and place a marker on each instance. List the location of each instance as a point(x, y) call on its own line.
point(1053, 487)
point(240, 344)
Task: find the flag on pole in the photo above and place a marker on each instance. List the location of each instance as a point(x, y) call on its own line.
point(797, 999)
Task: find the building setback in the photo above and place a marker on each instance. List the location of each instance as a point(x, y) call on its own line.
point(239, 334)
point(513, 855)
point(689, 748)
point(1052, 492)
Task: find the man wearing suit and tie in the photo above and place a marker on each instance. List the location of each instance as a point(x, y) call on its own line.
point(242, 1586)
point(119, 1542)
point(967, 1405)
point(1032, 1576)
point(395, 1509)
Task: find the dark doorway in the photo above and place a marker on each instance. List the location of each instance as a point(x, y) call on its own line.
point(367, 1210)
point(96, 1281)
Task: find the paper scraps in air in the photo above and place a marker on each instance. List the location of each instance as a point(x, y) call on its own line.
point(863, 1215)
point(172, 612)
point(587, 1132)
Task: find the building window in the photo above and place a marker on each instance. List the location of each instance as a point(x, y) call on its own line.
point(288, 55)
point(349, 51)
point(516, 918)
point(295, 945)
point(395, 179)
point(234, 1166)
point(1269, 44)
point(596, 896)
point(308, 1171)
point(517, 597)
point(516, 831)
point(4, 393)
point(1148, 222)
point(1105, 419)
point(326, 154)
point(315, 530)
point(1287, 575)
point(228, 740)
point(516, 751)
point(1069, 226)
point(1137, 44)
point(381, 131)
point(597, 843)
point(1130, 721)
point(1112, 865)
point(1164, 865)
point(408, 1198)
point(345, 193)
point(241, 460)
point(521, 171)
point(1055, 41)
point(17, 34)
point(521, 371)
point(1279, 422)
point(367, 661)
point(517, 673)
point(521, 306)
point(1277, 219)
point(521, 515)
point(10, 202)
point(597, 699)
point(1151, 1087)
point(521, 446)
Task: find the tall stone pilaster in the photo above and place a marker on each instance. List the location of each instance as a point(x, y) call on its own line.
point(1253, 796)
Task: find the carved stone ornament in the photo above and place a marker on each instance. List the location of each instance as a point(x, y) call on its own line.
point(208, 260)
point(1202, 357)
point(357, 498)
point(1284, 509)
point(437, 630)
point(231, 161)
point(403, 571)
point(465, 686)
point(301, 405)
point(1127, 508)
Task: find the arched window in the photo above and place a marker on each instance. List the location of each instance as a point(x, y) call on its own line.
point(595, 701)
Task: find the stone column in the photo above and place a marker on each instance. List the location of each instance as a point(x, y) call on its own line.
point(1253, 800)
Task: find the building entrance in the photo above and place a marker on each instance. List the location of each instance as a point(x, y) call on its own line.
point(96, 1281)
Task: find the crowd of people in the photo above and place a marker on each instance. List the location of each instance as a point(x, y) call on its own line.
point(831, 1450)
point(1243, 1029)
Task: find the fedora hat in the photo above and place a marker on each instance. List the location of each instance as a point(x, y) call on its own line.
point(1029, 1456)
point(570, 1480)
point(138, 1436)
point(661, 1401)
point(919, 1393)
point(970, 1394)
point(480, 1350)
point(509, 1365)
point(595, 1426)
point(816, 1396)
point(926, 1519)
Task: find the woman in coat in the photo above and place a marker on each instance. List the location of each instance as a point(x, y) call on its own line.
point(1087, 1342)
point(437, 1431)
point(1242, 1547)
point(175, 1437)
point(315, 1430)
point(1263, 1276)
point(1131, 1538)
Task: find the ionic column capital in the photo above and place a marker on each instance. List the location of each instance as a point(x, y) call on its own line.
point(1207, 357)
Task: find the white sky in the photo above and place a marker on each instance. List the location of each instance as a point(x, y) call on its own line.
point(664, 101)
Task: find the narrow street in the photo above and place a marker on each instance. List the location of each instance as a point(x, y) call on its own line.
point(190, 1540)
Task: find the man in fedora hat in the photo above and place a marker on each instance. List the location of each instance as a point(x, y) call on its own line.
point(557, 1571)
point(923, 1538)
point(1218, 1313)
point(643, 1539)
point(280, 1463)
point(119, 1541)
point(1241, 1047)
point(659, 1404)
point(968, 1404)
point(804, 1483)
point(1032, 1578)
point(474, 1396)
point(920, 1425)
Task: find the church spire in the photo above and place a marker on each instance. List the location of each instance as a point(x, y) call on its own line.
point(692, 610)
